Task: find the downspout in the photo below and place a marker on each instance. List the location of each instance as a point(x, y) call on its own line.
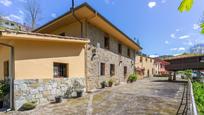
point(11, 75)
point(73, 13)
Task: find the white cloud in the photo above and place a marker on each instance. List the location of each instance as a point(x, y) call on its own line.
point(173, 35)
point(166, 42)
point(21, 12)
point(54, 15)
point(184, 37)
point(196, 26)
point(154, 56)
point(15, 18)
point(178, 49)
point(152, 4)
point(6, 3)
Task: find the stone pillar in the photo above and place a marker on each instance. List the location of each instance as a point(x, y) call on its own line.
point(174, 76)
point(170, 77)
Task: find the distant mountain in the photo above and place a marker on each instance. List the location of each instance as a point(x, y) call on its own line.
point(197, 49)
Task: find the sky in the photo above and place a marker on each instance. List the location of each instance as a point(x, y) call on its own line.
point(160, 28)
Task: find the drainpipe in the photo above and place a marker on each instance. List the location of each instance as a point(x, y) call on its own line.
point(73, 13)
point(11, 75)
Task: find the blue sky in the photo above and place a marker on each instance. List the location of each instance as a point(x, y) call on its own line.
point(159, 26)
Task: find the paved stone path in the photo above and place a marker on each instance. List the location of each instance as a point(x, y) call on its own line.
point(145, 97)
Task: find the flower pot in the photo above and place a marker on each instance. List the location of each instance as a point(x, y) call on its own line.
point(1, 104)
point(110, 84)
point(79, 94)
point(58, 99)
point(103, 86)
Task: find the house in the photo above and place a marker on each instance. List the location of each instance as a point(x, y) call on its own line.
point(7, 24)
point(160, 67)
point(79, 48)
point(110, 53)
point(144, 66)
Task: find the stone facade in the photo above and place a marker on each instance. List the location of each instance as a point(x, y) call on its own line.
point(42, 91)
point(96, 54)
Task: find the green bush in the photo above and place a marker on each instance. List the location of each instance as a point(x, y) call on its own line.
point(28, 106)
point(4, 89)
point(132, 77)
point(198, 90)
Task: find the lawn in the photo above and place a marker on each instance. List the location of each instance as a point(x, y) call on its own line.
point(198, 89)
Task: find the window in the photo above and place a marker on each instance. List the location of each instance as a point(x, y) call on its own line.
point(106, 42)
point(12, 24)
point(102, 71)
point(128, 52)
point(60, 70)
point(119, 48)
point(7, 23)
point(125, 70)
point(62, 34)
point(112, 69)
point(6, 69)
point(141, 59)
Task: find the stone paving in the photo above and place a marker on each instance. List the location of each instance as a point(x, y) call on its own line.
point(151, 96)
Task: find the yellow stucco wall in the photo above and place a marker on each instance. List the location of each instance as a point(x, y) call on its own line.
point(146, 64)
point(34, 59)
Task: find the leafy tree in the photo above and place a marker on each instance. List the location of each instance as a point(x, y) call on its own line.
point(186, 5)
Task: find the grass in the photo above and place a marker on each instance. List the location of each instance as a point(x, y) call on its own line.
point(198, 89)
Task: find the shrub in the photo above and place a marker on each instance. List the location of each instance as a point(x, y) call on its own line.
point(28, 106)
point(110, 83)
point(132, 77)
point(103, 84)
point(4, 89)
point(198, 90)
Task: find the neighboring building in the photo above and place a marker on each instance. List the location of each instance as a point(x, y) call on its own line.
point(197, 49)
point(159, 67)
point(144, 66)
point(7, 24)
point(50, 62)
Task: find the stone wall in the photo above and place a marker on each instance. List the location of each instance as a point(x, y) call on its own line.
point(108, 57)
point(44, 90)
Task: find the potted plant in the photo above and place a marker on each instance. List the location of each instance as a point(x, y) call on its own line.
point(58, 99)
point(132, 78)
point(4, 90)
point(103, 84)
point(79, 93)
point(110, 83)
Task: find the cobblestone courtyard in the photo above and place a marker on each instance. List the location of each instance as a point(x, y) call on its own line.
point(153, 96)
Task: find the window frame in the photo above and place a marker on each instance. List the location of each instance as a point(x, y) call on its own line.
point(128, 52)
point(102, 69)
point(119, 48)
point(6, 69)
point(62, 67)
point(112, 69)
point(107, 42)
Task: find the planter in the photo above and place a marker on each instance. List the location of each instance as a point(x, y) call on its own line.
point(58, 99)
point(79, 93)
point(1, 104)
point(103, 86)
point(110, 84)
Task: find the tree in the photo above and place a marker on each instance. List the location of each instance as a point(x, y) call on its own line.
point(186, 5)
point(33, 11)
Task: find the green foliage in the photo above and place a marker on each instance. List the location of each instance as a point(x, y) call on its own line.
point(202, 28)
point(187, 73)
point(132, 77)
point(186, 5)
point(28, 106)
point(103, 84)
point(4, 89)
point(198, 89)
